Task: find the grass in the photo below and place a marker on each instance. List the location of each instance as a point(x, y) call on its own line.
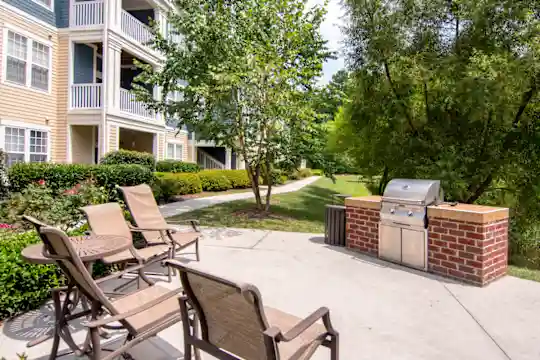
point(300, 211)
point(524, 273)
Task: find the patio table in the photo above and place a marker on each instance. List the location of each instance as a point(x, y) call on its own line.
point(90, 248)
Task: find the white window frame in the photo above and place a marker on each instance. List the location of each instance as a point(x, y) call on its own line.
point(175, 144)
point(27, 129)
point(48, 7)
point(30, 39)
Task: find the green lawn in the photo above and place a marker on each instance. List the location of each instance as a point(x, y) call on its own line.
point(300, 211)
point(524, 273)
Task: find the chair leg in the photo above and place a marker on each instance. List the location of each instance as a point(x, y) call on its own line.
point(56, 334)
point(197, 250)
point(334, 347)
point(96, 344)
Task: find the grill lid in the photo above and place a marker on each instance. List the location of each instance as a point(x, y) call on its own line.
point(423, 192)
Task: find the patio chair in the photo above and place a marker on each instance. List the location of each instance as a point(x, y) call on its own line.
point(236, 325)
point(142, 313)
point(149, 220)
point(108, 219)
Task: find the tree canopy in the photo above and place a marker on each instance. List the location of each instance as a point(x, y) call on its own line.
point(244, 70)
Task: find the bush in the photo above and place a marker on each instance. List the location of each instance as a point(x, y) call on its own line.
point(122, 157)
point(108, 176)
point(175, 166)
point(317, 172)
point(239, 178)
point(276, 178)
point(61, 210)
point(214, 180)
point(300, 174)
point(24, 286)
point(4, 180)
point(56, 176)
point(166, 185)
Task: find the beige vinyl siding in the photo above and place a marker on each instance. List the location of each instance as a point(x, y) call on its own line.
point(59, 128)
point(161, 146)
point(113, 137)
point(32, 106)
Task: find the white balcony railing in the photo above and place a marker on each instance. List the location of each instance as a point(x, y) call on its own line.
point(135, 29)
point(208, 162)
point(128, 103)
point(86, 96)
point(87, 13)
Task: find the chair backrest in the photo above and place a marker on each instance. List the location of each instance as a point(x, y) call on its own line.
point(64, 253)
point(145, 211)
point(231, 314)
point(107, 219)
point(37, 224)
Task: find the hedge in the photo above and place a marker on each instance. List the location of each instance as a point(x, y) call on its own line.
point(214, 180)
point(239, 178)
point(175, 166)
point(166, 185)
point(24, 286)
point(121, 157)
point(64, 176)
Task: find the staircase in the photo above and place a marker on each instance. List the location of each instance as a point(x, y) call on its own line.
point(206, 161)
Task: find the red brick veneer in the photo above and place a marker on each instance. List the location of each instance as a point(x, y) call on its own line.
point(477, 253)
point(363, 230)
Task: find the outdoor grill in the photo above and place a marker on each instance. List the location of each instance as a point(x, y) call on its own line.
point(403, 220)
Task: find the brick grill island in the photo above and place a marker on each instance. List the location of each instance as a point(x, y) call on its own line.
point(465, 242)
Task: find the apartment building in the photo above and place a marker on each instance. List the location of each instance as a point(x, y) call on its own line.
point(66, 75)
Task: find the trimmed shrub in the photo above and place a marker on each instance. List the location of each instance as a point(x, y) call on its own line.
point(109, 176)
point(24, 286)
point(56, 176)
point(122, 157)
point(175, 166)
point(239, 178)
point(300, 174)
point(317, 172)
point(166, 185)
point(214, 180)
point(276, 178)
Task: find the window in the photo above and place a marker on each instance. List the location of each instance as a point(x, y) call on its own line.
point(174, 151)
point(46, 3)
point(25, 145)
point(28, 62)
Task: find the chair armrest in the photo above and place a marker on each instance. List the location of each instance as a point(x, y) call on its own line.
point(193, 222)
point(299, 328)
point(117, 274)
point(139, 229)
point(137, 310)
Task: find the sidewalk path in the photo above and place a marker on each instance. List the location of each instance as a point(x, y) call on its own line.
point(181, 207)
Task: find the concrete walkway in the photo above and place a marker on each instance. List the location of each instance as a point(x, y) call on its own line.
point(181, 207)
point(382, 311)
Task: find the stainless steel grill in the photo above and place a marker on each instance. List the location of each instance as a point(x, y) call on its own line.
point(403, 220)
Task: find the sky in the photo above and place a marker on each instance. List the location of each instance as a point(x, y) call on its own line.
point(330, 30)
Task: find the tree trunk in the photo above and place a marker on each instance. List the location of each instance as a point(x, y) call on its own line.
point(253, 175)
point(269, 181)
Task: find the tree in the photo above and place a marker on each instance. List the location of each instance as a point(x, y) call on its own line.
point(444, 89)
point(244, 69)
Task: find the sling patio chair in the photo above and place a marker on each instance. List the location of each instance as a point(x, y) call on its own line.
point(142, 313)
point(108, 219)
point(156, 230)
point(235, 324)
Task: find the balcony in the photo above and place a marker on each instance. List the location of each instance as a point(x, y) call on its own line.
point(87, 13)
point(86, 96)
point(129, 104)
point(136, 30)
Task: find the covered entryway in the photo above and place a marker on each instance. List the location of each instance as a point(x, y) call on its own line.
point(84, 144)
point(136, 140)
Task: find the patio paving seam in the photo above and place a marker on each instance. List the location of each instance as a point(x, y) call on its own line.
point(261, 239)
point(477, 322)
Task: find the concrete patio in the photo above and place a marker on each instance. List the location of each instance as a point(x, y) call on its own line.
point(382, 311)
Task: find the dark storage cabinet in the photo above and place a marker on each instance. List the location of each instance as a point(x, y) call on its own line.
point(334, 225)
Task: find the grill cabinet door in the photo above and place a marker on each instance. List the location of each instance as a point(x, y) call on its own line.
point(390, 243)
point(413, 245)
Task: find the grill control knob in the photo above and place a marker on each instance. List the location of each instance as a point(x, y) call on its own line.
point(392, 211)
point(410, 213)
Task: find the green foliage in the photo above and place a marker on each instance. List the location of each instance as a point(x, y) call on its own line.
point(254, 64)
point(121, 157)
point(239, 178)
point(58, 209)
point(56, 176)
point(214, 180)
point(317, 172)
point(167, 185)
point(4, 179)
point(109, 176)
point(175, 166)
point(300, 174)
point(24, 286)
point(277, 176)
